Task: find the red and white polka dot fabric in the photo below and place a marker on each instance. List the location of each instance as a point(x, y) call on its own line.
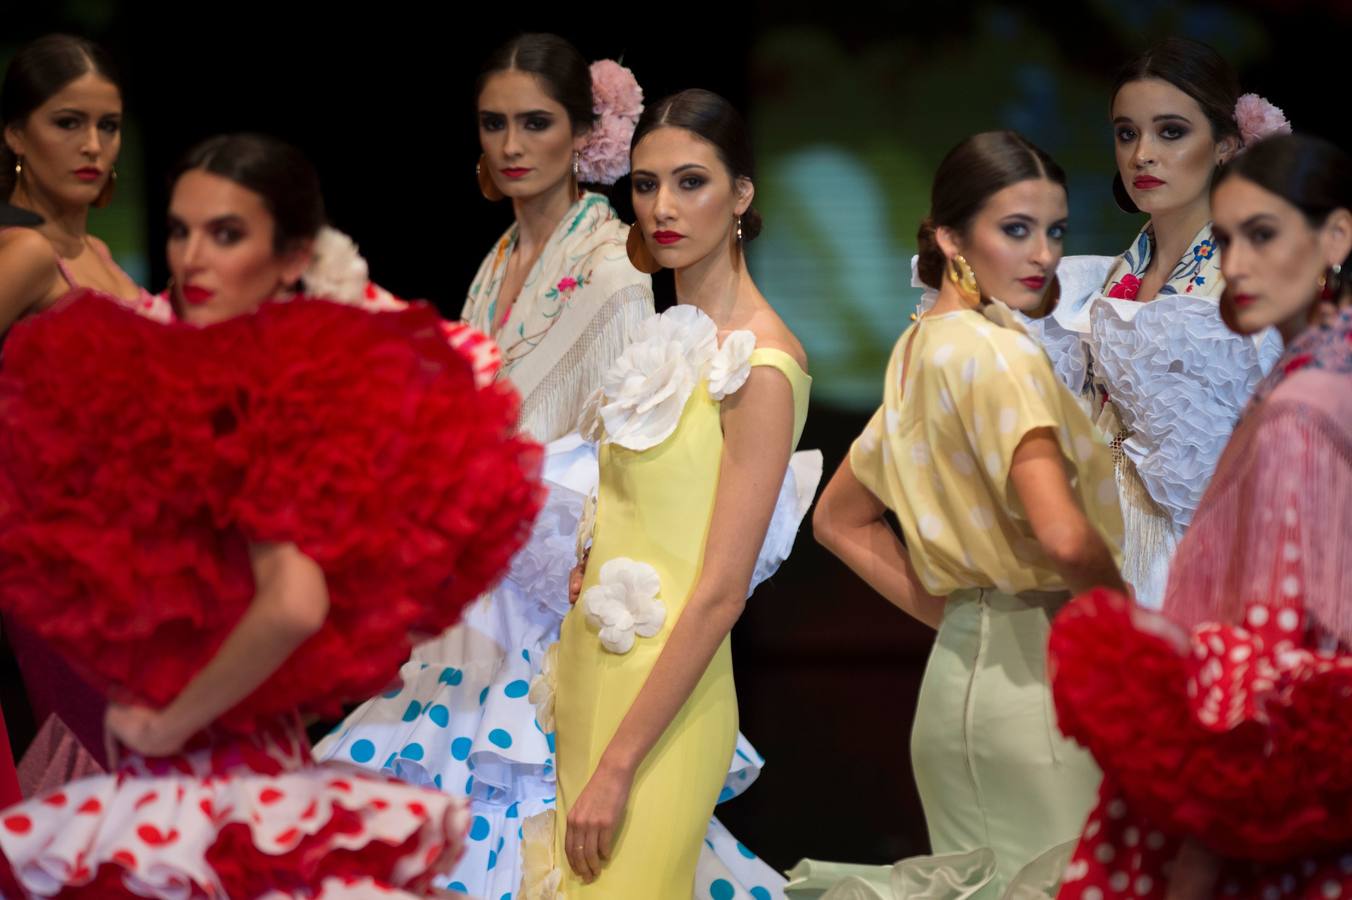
point(1232, 735)
point(238, 818)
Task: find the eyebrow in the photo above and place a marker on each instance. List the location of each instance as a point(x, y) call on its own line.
point(1256, 218)
point(522, 115)
point(1166, 117)
point(676, 171)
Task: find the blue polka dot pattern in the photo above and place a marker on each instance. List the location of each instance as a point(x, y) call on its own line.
point(525, 654)
point(478, 829)
point(499, 738)
point(413, 751)
point(722, 889)
point(437, 782)
point(725, 794)
point(469, 785)
point(492, 860)
point(440, 714)
point(390, 762)
point(549, 739)
point(517, 689)
point(451, 675)
point(512, 811)
point(460, 748)
point(392, 693)
point(363, 751)
point(458, 886)
point(761, 893)
point(741, 848)
point(483, 695)
point(414, 708)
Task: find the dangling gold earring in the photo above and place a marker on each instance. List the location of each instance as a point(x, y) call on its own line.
point(739, 229)
point(964, 279)
point(106, 194)
point(487, 186)
point(639, 255)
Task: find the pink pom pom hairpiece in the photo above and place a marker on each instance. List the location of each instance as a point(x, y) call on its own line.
point(1257, 119)
point(617, 101)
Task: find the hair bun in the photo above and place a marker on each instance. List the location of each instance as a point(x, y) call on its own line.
point(931, 262)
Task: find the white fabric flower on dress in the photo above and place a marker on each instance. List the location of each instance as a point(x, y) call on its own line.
point(624, 603)
point(337, 271)
point(540, 877)
point(731, 364)
point(647, 386)
point(542, 689)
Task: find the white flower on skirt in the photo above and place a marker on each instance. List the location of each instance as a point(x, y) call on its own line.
point(624, 603)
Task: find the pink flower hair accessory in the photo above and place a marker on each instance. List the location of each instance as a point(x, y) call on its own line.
point(1257, 118)
point(617, 101)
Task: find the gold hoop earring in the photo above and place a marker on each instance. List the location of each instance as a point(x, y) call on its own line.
point(964, 279)
point(105, 195)
point(487, 186)
point(639, 255)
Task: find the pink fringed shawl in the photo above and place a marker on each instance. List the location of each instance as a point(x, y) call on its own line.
point(1281, 494)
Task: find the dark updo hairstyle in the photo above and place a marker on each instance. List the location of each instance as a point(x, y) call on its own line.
point(707, 115)
point(272, 169)
point(38, 71)
point(1310, 173)
point(969, 175)
point(563, 72)
point(1198, 71)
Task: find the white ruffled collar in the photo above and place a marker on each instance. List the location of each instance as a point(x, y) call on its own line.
point(643, 394)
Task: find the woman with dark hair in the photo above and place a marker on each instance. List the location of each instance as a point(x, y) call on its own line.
point(1221, 725)
point(61, 111)
point(199, 514)
point(560, 296)
point(1156, 367)
point(697, 421)
point(1005, 496)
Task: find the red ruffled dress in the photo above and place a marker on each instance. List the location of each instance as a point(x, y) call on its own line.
point(1226, 720)
point(138, 461)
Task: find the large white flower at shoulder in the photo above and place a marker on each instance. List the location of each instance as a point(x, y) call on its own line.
point(648, 385)
point(624, 603)
point(731, 364)
point(337, 271)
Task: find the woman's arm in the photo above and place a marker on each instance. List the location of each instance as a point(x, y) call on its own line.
point(849, 522)
point(291, 604)
point(1073, 546)
point(758, 438)
point(27, 272)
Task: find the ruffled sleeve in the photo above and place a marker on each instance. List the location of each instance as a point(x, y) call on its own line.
point(1179, 379)
point(376, 455)
point(1081, 277)
point(154, 454)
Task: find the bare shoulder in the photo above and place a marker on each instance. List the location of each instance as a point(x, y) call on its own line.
point(26, 256)
point(772, 333)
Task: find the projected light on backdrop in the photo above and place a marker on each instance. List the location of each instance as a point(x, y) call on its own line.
point(848, 138)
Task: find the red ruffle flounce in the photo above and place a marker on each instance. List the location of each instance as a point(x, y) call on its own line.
point(139, 460)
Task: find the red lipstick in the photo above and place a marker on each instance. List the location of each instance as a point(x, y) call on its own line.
point(667, 237)
point(1034, 283)
point(195, 295)
point(89, 173)
point(1146, 182)
point(516, 172)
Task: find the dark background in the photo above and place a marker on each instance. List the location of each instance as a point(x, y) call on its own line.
point(381, 98)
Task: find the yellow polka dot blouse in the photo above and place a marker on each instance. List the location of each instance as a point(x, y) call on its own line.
point(938, 451)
